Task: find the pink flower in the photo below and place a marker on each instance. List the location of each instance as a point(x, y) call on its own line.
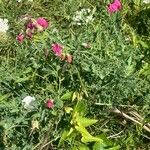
point(57, 49)
point(69, 58)
point(113, 7)
point(42, 22)
point(30, 25)
point(20, 37)
point(49, 103)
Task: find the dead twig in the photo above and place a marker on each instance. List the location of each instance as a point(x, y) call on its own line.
point(139, 122)
point(115, 135)
point(106, 104)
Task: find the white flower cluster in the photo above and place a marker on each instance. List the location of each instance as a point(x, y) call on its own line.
point(83, 17)
point(3, 25)
point(146, 1)
point(28, 102)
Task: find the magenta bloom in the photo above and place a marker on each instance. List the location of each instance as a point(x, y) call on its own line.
point(49, 103)
point(20, 37)
point(57, 49)
point(113, 7)
point(30, 25)
point(42, 22)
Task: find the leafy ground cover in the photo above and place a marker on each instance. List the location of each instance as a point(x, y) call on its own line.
point(74, 75)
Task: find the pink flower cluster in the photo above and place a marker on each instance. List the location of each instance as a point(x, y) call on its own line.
point(49, 103)
point(58, 50)
point(32, 27)
point(114, 7)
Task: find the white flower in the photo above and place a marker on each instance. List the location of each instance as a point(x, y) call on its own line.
point(88, 10)
point(3, 25)
point(28, 102)
point(146, 1)
point(83, 17)
point(89, 18)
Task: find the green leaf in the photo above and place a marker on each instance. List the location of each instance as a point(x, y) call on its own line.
point(85, 122)
point(115, 148)
point(105, 139)
point(4, 97)
point(102, 146)
point(99, 146)
point(80, 147)
point(67, 135)
point(67, 96)
point(63, 137)
point(22, 79)
point(82, 130)
point(80, 107)
point(28, 70)
point(86, 136)
point(86, 139)
point(83, 147)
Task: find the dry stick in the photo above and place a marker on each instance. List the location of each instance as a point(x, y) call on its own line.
point(115, 135)
point(105, 104)
point(138, 117)
point(117, 111)
point(49, 142)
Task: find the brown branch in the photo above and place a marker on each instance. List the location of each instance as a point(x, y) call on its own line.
point(117, 111)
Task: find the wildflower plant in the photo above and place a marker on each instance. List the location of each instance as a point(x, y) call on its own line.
point(70, 87)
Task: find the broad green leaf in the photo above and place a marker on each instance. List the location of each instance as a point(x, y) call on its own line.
point(86, 139)
point(105, 139)
point(85, 122)
point(99, 146)
point(82, 130)
point(80, 147)
point(80, 107)
point(67, 96)
point(83, 147)
point(86, 136)
point(115, 148)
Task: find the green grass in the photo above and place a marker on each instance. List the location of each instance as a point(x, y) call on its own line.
point(113, 73)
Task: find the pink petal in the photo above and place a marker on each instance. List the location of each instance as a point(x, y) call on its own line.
point(42, 22)
point(115, 6)
point(20, 37)
point(57, 49)
point(30, 25)
point(49, 103)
